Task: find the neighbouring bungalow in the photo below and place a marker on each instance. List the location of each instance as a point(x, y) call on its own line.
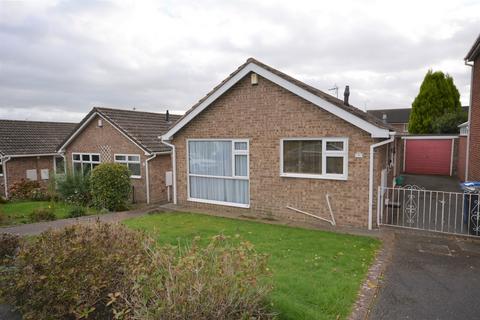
point(398, 118)
point(264, 144)
point(28, 151)
point(127, 137)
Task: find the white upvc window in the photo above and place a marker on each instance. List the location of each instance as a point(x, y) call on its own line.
point(84, 163)
point(218, 171)
point(314, 158)
point(132, 161)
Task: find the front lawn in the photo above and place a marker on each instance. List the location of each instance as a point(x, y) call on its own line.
point(316, 274)
point(17, 212)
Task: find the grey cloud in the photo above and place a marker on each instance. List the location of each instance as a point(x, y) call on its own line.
point(52, 69)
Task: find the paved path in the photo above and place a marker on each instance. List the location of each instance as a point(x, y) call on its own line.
point(430, 278)
point(37, 228)
point(437, 183)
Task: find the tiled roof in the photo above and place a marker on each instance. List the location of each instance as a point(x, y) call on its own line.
point(397, 115)
point(325, 96)
point(32, 137)
point(142, 127)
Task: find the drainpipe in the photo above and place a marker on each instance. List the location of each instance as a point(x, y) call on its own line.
point(467, 158)
point(147, 176)
point(174, 169)
point(4, 164)
point(370, 180)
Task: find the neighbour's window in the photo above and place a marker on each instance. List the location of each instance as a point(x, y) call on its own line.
point(83, 163)
point(218, 172)
point(132, 161)
point(1, 168)
point(325, 158)
point(59, 165)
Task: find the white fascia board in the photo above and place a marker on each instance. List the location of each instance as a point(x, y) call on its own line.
point(76, 133)
point(33, 155)
point(375, 131)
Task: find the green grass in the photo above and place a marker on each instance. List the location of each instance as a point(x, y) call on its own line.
point(17, 212)
point(316, 274)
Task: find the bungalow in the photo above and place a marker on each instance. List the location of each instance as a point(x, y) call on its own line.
point(127, 137)
point(263, 143)
point(27, 151)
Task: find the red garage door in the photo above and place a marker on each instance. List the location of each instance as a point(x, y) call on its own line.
point(428, 156)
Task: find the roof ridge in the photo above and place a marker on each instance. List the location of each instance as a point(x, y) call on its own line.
point(37, 121)
point(136, 111)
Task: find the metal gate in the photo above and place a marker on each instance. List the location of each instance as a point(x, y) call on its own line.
point(413, 207)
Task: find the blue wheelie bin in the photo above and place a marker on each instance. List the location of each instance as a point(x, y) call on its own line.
point(471, 209)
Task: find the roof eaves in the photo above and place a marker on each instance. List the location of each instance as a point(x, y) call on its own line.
point(474, 50)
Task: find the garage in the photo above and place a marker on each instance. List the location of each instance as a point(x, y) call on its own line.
point(428, 155)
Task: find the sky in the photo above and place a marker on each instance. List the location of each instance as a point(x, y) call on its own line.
point(58, 59)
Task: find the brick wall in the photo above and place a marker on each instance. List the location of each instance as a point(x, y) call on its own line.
point(265, 113)
point(16, 170)
point(157, 168)
point(108, 141)
point(474, 157)
point(461, 157)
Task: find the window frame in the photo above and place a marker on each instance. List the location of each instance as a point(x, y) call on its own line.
point(126, 161)
point(81, 161)
point(232, 177)
point(55, 171)
point(325, 153)
point(1, 166)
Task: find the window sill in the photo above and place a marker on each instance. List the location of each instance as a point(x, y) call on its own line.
point(221, 203)
point(314, 176)
point(135, 177)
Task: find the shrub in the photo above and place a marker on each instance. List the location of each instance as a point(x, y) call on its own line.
point(3, 200)
point(110, 186)
point(220, 281)
point(77, 211)
point(69, 274)
point(9, 244)
point(42, 214)
point(75, 188)
point(27, 190)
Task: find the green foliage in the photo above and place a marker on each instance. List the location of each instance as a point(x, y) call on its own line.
point(316, 275)
point(69, 274)
point(28, 190)
point(9, 244)
point(3, 200)
point(449, 122)
point(42, 214)
point(77, 211)
point(75, 189)
point(218, 281)
point(438, 95)
point(107, 271)
point(110, 186)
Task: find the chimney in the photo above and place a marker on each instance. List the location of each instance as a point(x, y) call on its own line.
point(346, 94)
point(167, 116)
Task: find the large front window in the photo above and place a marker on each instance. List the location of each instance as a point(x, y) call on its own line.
point(218, 171)
point(132, 162)
point(325, 158)
point(83, 163)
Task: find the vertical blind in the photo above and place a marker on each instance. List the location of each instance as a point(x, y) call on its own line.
point(218, 171)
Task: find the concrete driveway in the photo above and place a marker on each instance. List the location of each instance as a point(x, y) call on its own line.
point(430, 278)
point(437, 183)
